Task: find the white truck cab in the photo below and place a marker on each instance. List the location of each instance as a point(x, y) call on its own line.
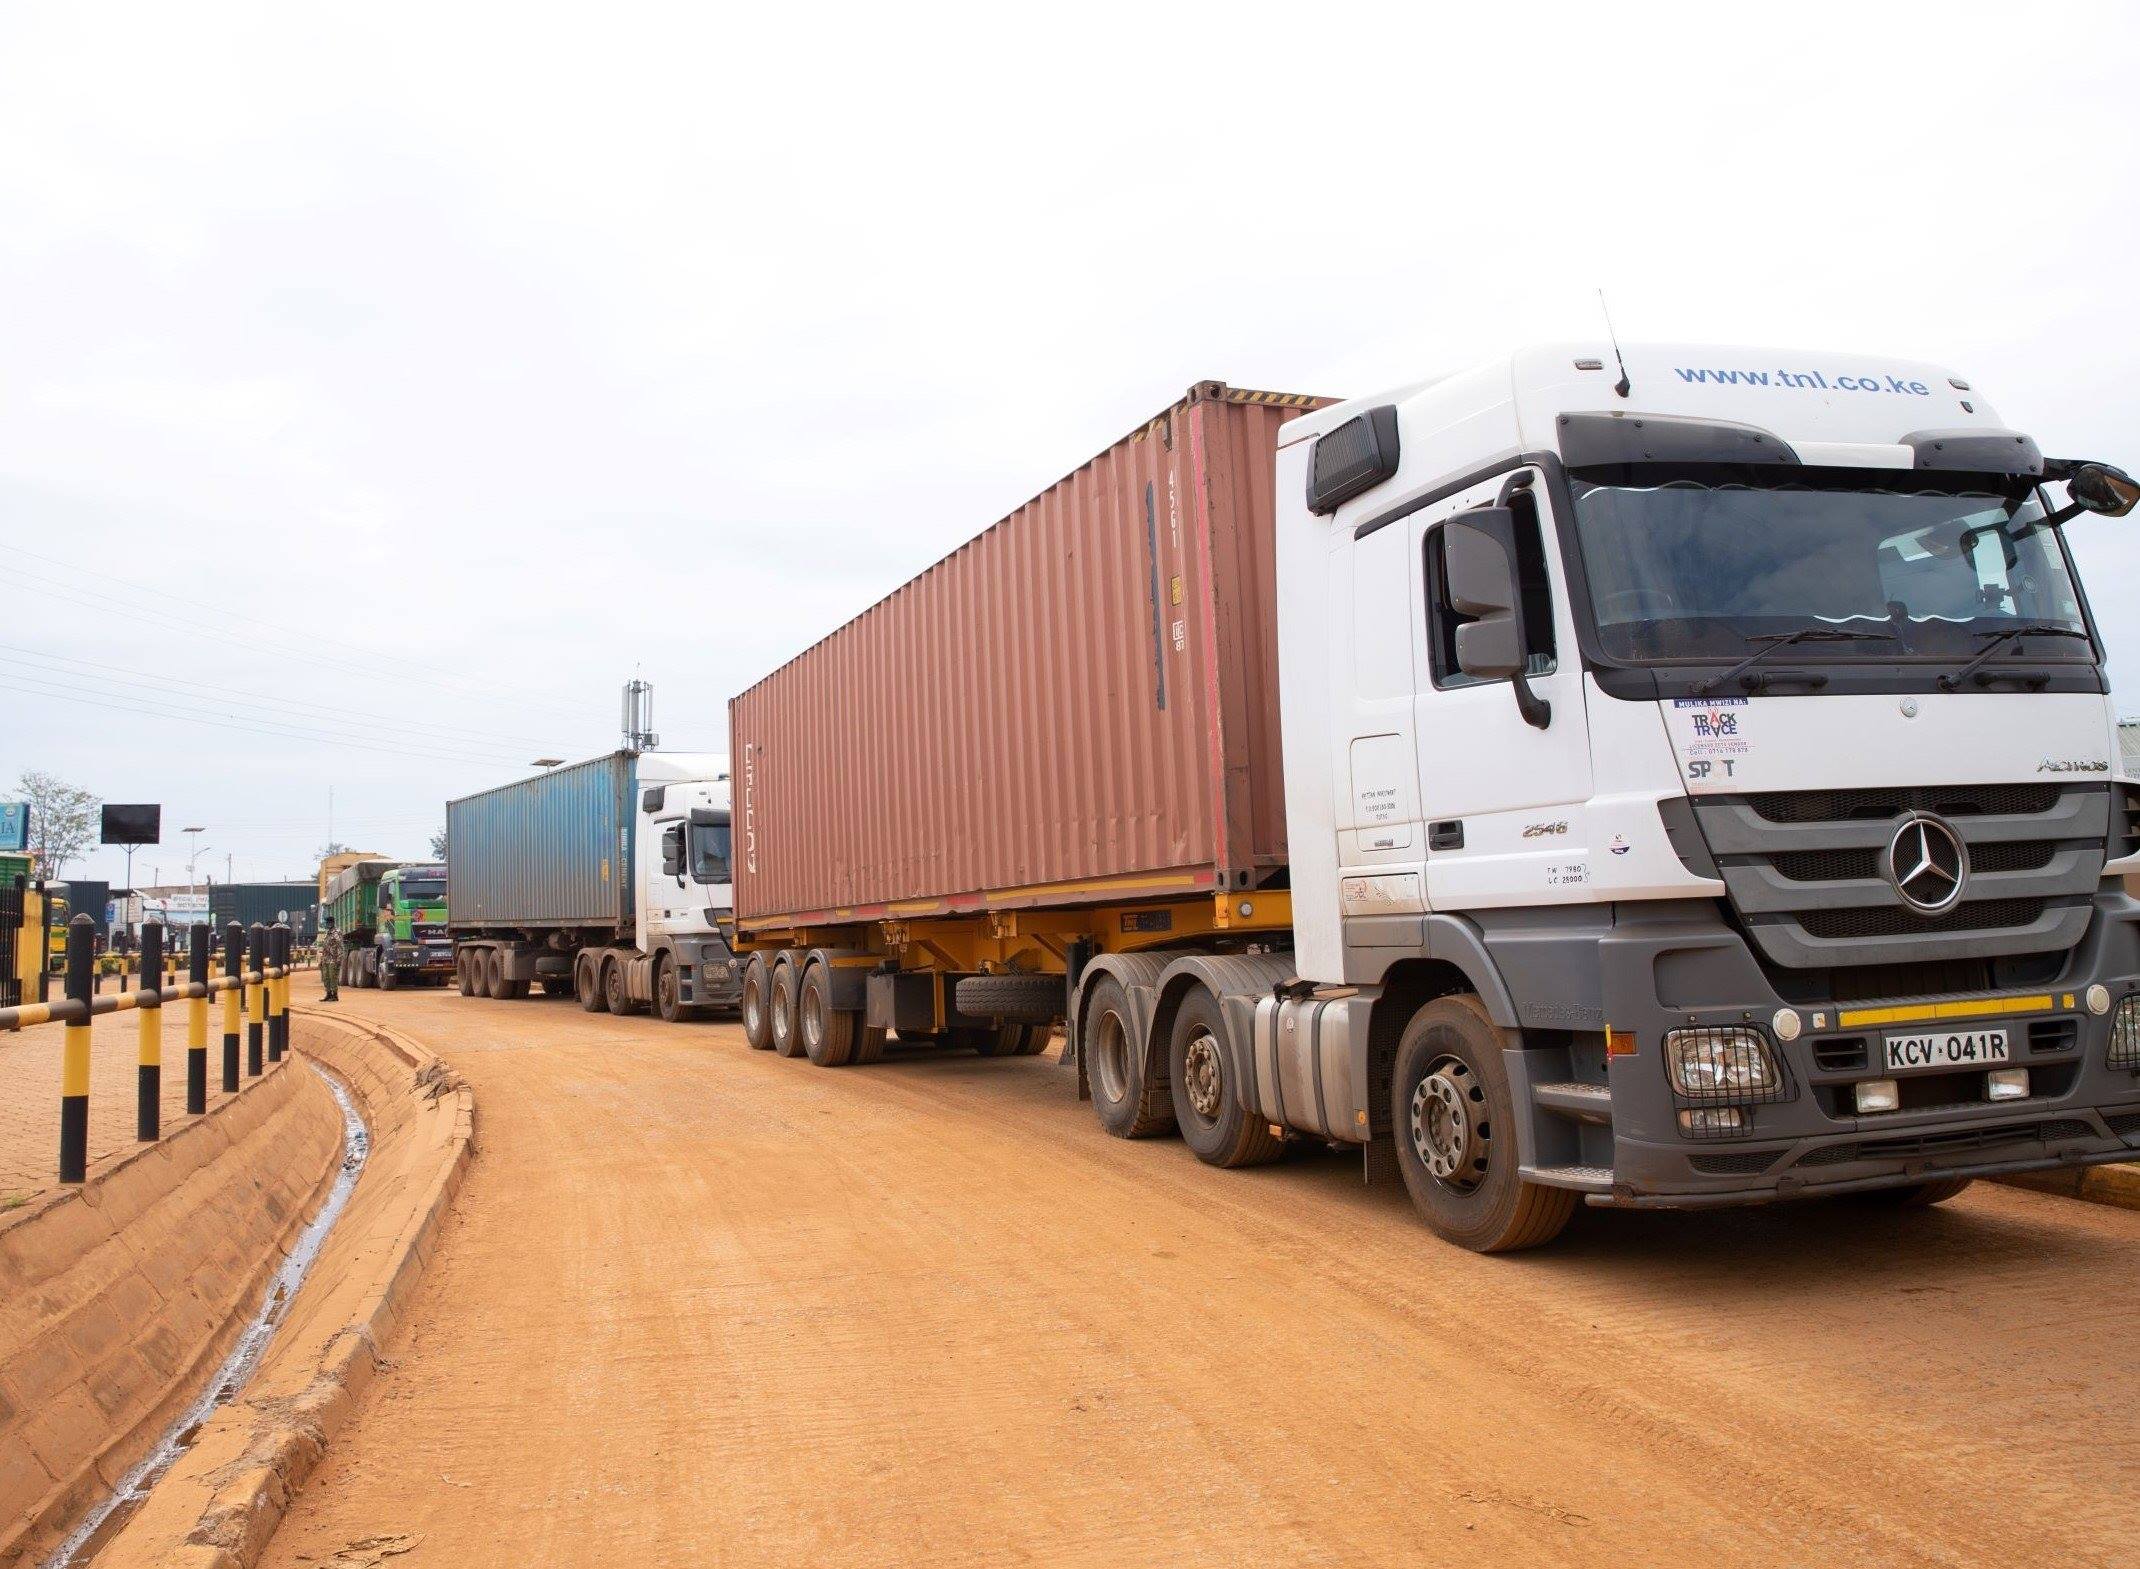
point(1730, 723)
point(685, 889)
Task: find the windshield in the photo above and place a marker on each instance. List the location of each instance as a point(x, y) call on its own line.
point(1691, 565)
point(423, 890)
point(709, 852)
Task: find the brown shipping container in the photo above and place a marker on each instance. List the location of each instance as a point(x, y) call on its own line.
point(1079, 705)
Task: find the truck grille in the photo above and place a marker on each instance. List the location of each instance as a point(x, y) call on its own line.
point(1804, 872)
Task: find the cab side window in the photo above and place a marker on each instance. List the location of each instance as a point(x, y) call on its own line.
point(1535, 585)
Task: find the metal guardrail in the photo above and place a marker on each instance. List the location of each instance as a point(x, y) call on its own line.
point(254, 986)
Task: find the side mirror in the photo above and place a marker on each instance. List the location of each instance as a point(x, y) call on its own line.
point(672, 850)
point(1482, 584)
point(1479, 566)
point(2101, 488)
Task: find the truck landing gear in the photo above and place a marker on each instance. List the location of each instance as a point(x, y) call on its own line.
point(1454, 1121)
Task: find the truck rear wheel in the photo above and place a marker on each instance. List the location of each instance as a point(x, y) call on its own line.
point(464, 969)
point(494, 974)
point(616, 991)
point(757, 1006)
point(1013, 1040)
point(1454, 1120)
point(1129, 1105)
point(787, 1038)
point(556, 986)
point(1215, 1121)
point(828, 1034)
point(587, 984)
point(869, 1043)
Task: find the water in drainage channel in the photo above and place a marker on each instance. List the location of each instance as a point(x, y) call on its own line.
point(104, 1521)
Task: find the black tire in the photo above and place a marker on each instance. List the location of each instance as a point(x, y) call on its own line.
point(756, 1004)
point(368, 970)
point(587, 984)
point(616, 992)
point(787, 1037)
point(1215, 1121)
point(668, 1000)
point(494, 975)
point(1915, 1195)
point(1450, 1105)
point(1012, 1040)
point(828, 1033)
point(869, 1043)
point(1129, 1105)
point(388, 980)
point(1011, 999)
point(516, 990)
point(464, 970)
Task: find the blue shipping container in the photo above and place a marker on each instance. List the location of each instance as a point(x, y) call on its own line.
point(551, 851)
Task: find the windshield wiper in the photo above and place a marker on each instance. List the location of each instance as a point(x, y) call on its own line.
point(1999, 640)
point(1776, 640)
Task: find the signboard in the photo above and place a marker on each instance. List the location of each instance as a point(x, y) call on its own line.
point(14, 825)
point(133, 824)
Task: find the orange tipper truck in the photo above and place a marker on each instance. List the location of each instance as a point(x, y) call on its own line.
point(1680, 780)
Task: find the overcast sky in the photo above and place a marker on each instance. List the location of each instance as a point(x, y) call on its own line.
point(429, 370)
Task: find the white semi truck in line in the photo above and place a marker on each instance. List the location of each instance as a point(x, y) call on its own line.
point(1699, 787)
point(607, 880)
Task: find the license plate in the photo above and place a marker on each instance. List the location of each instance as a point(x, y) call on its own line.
point(1946, 1049)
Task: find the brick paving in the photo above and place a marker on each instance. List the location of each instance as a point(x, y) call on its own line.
point(29, 1093)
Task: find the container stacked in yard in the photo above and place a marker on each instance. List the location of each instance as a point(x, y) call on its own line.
point(1078, 705)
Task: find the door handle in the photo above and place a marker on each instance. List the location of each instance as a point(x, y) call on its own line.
point(1446, 836)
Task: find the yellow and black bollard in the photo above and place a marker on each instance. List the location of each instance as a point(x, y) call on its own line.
point(278, 989)
point(148, 1089)
point(74, 1065)
point(233, 1002)
point(255, 996)
point(197, 1021)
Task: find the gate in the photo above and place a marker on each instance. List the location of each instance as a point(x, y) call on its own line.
point(11, 902)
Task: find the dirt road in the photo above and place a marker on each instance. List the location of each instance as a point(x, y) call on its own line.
point(704, 1306)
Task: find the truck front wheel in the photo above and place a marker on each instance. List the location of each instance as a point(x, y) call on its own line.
point(1129, 1104)
point(757, 1004)
point(389, 978)
point(1454, 1121)
point(668, 1000)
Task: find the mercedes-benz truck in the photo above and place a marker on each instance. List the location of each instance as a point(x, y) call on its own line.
point(607, 880)
point(1672, 781)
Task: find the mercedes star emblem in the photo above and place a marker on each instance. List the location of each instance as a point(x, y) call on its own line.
point(1927, 863)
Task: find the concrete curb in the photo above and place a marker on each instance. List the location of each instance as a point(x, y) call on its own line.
point(124, 1295)
point(2118, 1185)
point(223, 1500)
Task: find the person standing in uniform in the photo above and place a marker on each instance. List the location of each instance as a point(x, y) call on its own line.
point(330, 959)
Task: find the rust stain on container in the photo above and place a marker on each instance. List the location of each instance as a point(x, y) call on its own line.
point(1081, 703)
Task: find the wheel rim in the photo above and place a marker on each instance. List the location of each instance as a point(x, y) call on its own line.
point(1203, 1076)
point(753, 1007)
point(1110, 1057)
point(813, 1019)
point(1450, 1133)
point(783, 1015)
point(667, 985)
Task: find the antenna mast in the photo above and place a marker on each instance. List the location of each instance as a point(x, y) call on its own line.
point(1623, 386)
point(639, 733)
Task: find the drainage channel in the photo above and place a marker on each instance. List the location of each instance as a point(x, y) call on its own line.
point(104, 1521)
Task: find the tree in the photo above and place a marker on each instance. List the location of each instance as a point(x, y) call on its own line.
point(438, 845)
point(62, 820)
point(332, 847)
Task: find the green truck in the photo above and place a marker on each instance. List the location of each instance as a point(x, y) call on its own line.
point(392, 917)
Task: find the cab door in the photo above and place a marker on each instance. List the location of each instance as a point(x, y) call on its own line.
point(1502, 797)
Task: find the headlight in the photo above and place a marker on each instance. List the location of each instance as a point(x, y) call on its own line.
point(2125, 1034)
point(1720, 1064)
